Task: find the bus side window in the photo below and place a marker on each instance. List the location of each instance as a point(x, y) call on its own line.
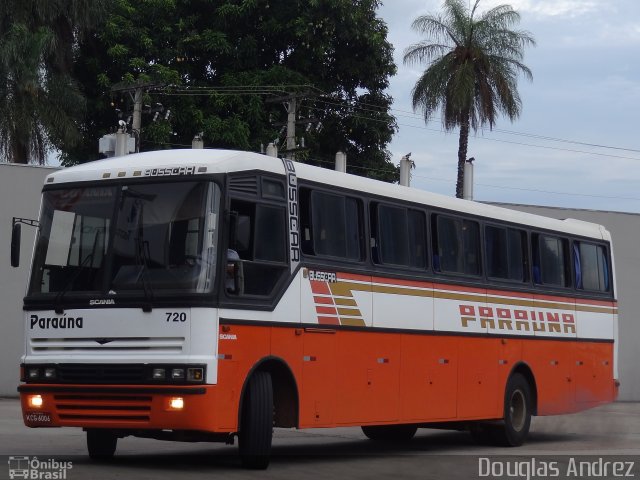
point(591, 267)
point(399, 236)
point(335, 224)
point(506, 253)
point(550, 260)
point(456, 244)
point(260, 242)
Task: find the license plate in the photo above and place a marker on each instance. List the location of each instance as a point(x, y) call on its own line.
point(41, 418)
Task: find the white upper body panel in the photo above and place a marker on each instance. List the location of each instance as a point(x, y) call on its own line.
point(206, 161)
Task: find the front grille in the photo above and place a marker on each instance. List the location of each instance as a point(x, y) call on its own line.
point(108, 346)
point(102, 374)
point(108, 408)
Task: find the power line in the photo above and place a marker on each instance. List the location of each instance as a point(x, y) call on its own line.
point(599, 154)
point(365, 108)
point(503, 187)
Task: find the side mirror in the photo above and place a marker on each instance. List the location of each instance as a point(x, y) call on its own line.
point(16, 234)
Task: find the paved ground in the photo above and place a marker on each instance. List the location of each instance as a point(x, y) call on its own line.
point(602, 433)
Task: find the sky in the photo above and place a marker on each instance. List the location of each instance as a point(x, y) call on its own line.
point(585, 92)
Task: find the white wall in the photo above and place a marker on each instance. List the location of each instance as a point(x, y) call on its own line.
point(625, 232)
point(20, 188)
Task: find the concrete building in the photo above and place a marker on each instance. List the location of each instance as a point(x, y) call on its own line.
point(20, 188)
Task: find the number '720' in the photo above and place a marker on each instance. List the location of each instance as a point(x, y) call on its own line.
point(176, 316)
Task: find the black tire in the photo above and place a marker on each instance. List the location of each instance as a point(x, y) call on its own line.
point(517, 413)
point(101, 444)
point(390, 433)
point(256, 428)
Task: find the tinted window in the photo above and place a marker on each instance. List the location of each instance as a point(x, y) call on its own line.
point(335, 225)
point(456, 245)
point(550, 261)
point(270, 234)
point(256, 259)
point(591, 267)
point(401, 237)
point(506, 252)
point(272, 188)
point(417, 238)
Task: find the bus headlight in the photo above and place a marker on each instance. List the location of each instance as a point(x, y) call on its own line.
point(175, 373)
point(33, 373)
point(35, 401)
point(49, 373)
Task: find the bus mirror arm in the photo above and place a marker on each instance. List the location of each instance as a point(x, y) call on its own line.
point(16, 236)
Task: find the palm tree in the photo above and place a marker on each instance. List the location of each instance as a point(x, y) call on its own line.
point(473, 66)
point(40, 102)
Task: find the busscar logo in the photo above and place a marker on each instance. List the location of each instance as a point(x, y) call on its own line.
point(292, 211)
point(167, 171)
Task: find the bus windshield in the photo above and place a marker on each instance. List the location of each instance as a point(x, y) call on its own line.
point(128, 239)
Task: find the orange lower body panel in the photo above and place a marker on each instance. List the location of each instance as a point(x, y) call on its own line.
point(346, 377)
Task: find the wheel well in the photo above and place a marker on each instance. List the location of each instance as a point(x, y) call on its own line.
point(285, 392)
point(524, 370)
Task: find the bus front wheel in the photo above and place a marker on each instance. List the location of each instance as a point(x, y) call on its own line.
point(256, 429)
point(101, 444)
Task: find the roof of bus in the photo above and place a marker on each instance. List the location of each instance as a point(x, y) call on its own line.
point(168, 162)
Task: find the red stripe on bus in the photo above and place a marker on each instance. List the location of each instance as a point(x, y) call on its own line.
point(457, 288)
point(324, 300)
point(354, 277)
point(320, 287)
point(327, 310)
point(328, 320)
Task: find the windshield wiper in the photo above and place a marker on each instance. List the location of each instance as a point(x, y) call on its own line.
point(142, 259)
point(59, 308)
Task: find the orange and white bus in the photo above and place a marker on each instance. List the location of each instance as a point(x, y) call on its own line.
point(207, 294)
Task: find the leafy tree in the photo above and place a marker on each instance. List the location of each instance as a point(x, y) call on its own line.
point(474, 62)
point(215, 64)
point(40, 102)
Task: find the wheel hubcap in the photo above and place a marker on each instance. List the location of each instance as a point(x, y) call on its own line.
point(517, 410)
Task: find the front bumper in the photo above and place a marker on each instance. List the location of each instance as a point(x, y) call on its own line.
point(123, 407)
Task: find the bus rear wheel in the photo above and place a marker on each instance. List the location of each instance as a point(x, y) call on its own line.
point(390, 433)
point(101, 444)
point(517, 413)
point(256, 429)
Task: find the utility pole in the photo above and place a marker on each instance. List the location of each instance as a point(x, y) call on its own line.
point(292, 103)
point(292, 110)
point(136, 91)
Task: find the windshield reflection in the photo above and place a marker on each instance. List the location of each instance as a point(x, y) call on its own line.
point(127, 239)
